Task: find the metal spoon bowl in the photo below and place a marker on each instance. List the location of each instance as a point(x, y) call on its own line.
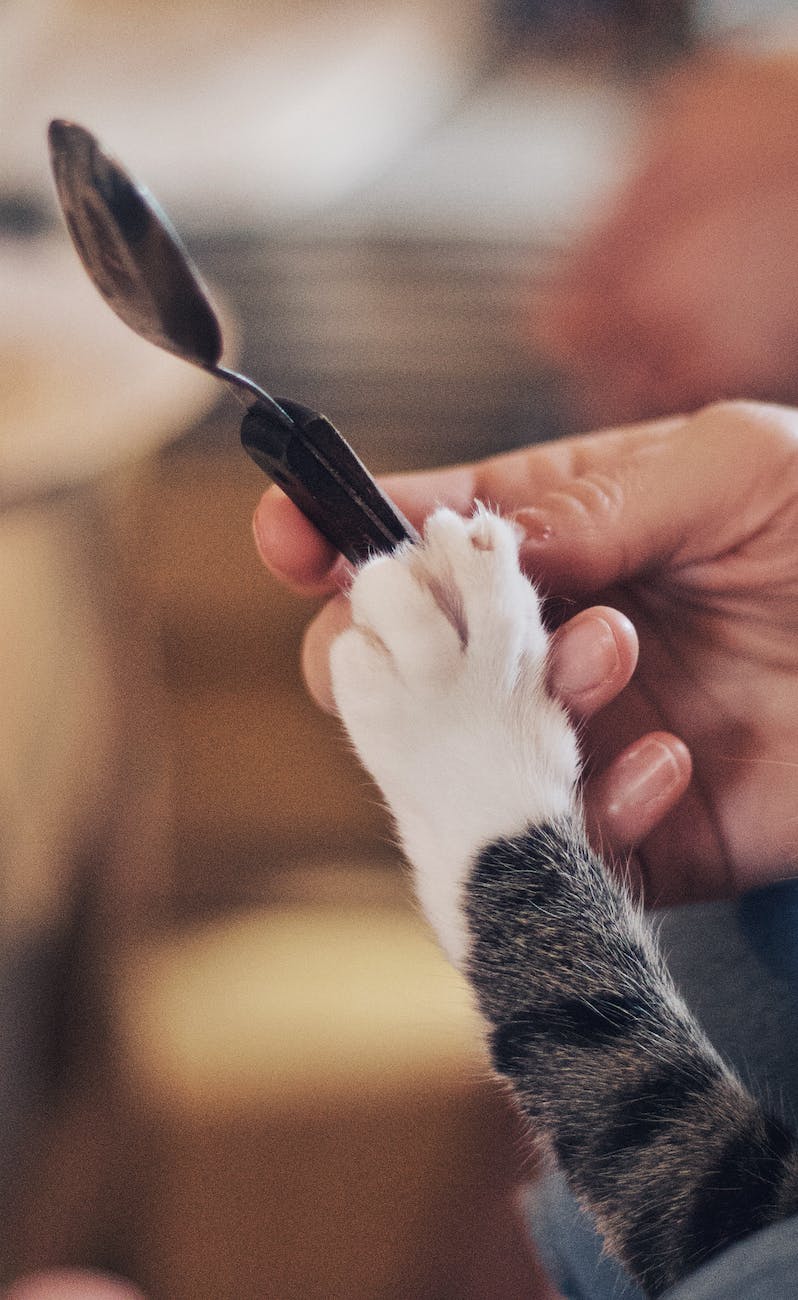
point(135, 258)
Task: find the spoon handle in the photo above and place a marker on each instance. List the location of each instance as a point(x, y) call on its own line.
point(321, 474)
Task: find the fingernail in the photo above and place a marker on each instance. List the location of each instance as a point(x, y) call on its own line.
point(645, 774)
point(587, 655)
point(260, 533)
point(535, 524)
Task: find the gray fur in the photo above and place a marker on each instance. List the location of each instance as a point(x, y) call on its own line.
point(657, 1137)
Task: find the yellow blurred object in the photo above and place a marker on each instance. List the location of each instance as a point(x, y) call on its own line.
point(313, 1111)
point(277, 1004)
point(56, 707)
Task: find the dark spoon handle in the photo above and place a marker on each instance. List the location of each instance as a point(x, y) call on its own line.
point(321, 474)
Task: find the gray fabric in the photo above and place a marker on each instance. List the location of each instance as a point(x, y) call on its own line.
point(736, 964)
point(763, 1267)
point(569, 1247)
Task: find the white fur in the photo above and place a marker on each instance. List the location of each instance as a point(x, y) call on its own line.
point(441, 683)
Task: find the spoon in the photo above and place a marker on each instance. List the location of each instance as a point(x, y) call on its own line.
point(135, 259)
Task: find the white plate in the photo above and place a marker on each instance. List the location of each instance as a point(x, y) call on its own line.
point(232, 111)
point(79, 392)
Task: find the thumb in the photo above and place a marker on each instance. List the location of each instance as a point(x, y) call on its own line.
point(666, 494)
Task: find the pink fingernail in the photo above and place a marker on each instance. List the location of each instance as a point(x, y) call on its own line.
point(646, 774)
point(587, 655)
point(261, 535)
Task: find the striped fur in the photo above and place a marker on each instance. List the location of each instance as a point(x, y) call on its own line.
point(655, 1135)
point(441, 682)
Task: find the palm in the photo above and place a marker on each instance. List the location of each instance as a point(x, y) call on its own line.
point(718, 669)
point(682, 292)
point(687, 525)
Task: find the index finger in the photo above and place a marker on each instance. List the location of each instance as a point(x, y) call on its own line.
point(300, 557)
point(512, 482)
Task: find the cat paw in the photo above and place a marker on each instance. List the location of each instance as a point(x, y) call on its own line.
point(441, 684)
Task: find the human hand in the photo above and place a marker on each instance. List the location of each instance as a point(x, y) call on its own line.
point(71, 1284)
point(686, 292)
point(688, 527)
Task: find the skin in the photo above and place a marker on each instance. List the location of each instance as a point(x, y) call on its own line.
point(671, 545)
point(681, 293)
point(71, 1284)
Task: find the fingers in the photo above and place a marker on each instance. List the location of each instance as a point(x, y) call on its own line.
point(300, 557)
point(591, 659)
point(668, 495)
point(592, 656)
point(332, 619)
point(72, 1284)
point(595, 509)
point(522, 482)
point(641, 785)
point(293, 549)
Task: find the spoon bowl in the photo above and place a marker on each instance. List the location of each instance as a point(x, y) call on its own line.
point(137, 262)
point(130, 250)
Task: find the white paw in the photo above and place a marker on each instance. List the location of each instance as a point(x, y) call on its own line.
point(441, 684)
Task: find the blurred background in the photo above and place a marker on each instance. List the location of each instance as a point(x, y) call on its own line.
point(232, 1063)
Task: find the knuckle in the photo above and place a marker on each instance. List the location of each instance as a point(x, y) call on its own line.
point(593, 500)
point(764, 423)
point(763, 439)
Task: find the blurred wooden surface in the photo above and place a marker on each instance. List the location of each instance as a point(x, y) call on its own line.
point(260, 778)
